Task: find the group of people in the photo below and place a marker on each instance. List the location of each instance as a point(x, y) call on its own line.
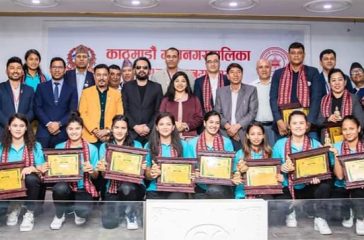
point(174, 115)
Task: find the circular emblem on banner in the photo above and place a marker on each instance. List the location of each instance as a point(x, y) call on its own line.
point(72, 54)
point(207, 232)
point(277, 56)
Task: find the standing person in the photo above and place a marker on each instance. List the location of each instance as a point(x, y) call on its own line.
point(295, 83)
point(211, 140)
point(80, 77)
point(164, 76)
point(357, 76)
point(164, 141)
point(183, 105)
point(83, 190)
point(141, 100)
point(33, 74)
point(98, 105)
point(15, 97)
point(263, 84)
point(115, 77)
point(206, 86)
point(298, 141)
point(117, 190)
point(18, 145)
point(353, 143)
point(127, 72)
point(53, 102)
point(237, 105)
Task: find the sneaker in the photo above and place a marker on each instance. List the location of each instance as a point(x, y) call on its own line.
point(13, 217)
point(359, 227)
point(321, 225)
point(28, 222)
point(57, 222)
point(291, 220)
point(348, 223)
point(79, 220)
point(131, 222)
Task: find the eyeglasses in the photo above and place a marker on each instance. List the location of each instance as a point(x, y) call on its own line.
point(141, 67)
point(355, 72)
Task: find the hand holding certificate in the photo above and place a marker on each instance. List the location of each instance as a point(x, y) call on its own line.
point(11, 182)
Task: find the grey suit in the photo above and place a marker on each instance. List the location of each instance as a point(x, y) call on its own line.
point(246, 107)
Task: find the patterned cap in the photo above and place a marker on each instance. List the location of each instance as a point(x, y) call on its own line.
point(81, 49)
point(126, 63)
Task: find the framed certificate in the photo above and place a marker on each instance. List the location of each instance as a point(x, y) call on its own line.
point(287, 109)
point(353, 165)
point(335, 132)
point(176, 174)
point(310, 164)
point(11, 183)
point(125, 163)
point(261, 177)
point(215, 168)
point(64, 165)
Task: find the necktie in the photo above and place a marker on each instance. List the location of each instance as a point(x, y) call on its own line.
point(56, 93)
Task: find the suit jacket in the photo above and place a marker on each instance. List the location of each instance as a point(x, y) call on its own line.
point(7, 107)
point(70, 78)
point(138, 111)
point(246, 107)
point(47, 111)
point(197, 90)
point(90, 110)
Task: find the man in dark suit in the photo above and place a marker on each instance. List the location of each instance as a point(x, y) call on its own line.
point(15, 97)
point(141, 100)
point(80, 77)
point(54, 101)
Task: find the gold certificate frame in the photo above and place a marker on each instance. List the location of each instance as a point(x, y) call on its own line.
point(215, 167)
point(287, 109)
point(176, 174)
point(335, 132)
point(353, 165)
point(261, 177)
point(125, 163)
point(11, 183)
point(310, 164)
point(64, 165)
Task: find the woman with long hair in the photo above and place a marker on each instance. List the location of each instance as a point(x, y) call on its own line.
point(183, 105)
point(352, 143)
point(33, 74)
point(84, 189)
point(298, 141)
point(211, 140)
point(164, 141)
point(117, 190)
point(18, 145)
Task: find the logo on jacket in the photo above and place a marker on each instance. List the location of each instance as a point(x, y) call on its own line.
point(277, 56)
point(72, 54)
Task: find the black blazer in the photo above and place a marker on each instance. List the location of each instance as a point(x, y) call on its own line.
point(7, 108)
point(139, 112)
point(70, 78)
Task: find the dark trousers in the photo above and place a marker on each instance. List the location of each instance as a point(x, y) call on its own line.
point(63, 192)
point(166, 195)
point(356, 202)
point(112, 209)
point(214, 192)
point(52, 140)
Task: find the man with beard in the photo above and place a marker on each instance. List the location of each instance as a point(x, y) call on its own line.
point(15, 97)
point(141, 100)
point(98, 105)
point(80, 77)
point(54, 102)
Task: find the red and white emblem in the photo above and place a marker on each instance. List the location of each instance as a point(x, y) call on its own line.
point(277, 56)
point(72, 54)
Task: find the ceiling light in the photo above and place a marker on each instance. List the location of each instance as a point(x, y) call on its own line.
point(233, 5)
point(137, 4)
point(37, 3)
point(320, 6)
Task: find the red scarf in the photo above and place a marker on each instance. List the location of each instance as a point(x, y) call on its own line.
point(218, 143)
point(89, 187)
point(345, 149)
point(28, 156)
point(346, 106)
point(285, 87)
point(287, 151)
point(207, 91)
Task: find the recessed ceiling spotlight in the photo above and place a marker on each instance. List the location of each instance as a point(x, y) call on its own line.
point(37, 3)
point(233, 5)
point(136, 4)
point(321, 6)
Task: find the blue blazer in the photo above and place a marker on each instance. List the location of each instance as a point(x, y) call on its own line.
point(46, 110)
point(7, 108)
point(70, 78)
